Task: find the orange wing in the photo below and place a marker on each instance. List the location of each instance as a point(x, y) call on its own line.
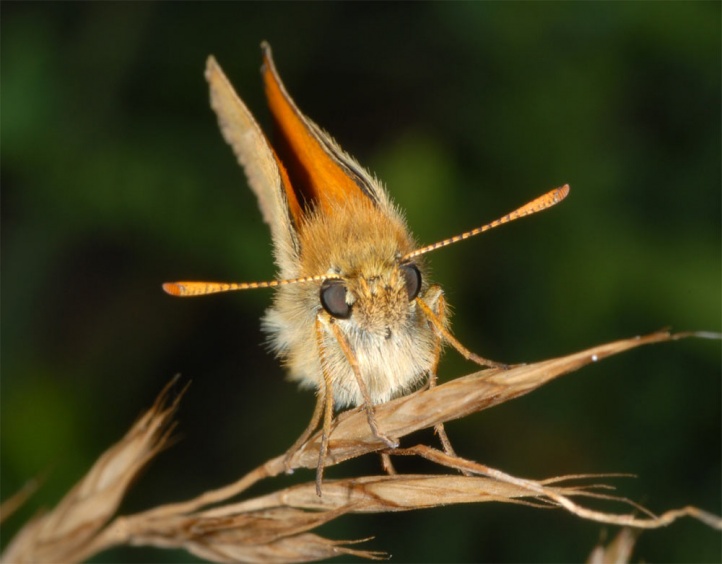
point(319, 175)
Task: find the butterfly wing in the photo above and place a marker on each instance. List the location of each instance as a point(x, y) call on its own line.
point(321, 173)
point(266, 175)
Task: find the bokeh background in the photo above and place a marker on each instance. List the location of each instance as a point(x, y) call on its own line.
point(115, 179)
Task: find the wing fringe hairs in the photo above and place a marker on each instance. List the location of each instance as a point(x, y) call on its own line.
point(278, 526)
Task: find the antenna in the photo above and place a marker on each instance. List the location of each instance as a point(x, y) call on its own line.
point(546, 201)
point(192, 289)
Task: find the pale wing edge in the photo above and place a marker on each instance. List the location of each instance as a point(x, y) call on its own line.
point(255, 155)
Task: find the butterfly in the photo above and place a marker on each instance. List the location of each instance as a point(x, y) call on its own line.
point(354, 315)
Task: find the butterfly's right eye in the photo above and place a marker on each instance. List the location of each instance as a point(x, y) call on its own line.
point(412, 277)
point(333, 298)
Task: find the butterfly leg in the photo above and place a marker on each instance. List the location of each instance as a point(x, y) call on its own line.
point(325, 405)
point(438, 308)
point(312, 426)
point(387, 465)
point(324, 408)
point(368, 404)
point(439, 324)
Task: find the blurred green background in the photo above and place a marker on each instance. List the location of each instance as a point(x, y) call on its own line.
point(115, 179)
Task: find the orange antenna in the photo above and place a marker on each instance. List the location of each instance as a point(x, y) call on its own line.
point(542, 203)
point(191, 289)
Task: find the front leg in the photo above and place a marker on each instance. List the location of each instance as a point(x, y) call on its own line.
point(368, 404)
point(435, 296)
point(437, 304)
point(324, 322)
point(327, 397)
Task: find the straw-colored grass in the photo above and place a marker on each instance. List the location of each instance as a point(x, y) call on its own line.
point(618, 550)
point(279, 526)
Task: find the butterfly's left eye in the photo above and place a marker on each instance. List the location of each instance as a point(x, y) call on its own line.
point(412, 278)
point(333, 298)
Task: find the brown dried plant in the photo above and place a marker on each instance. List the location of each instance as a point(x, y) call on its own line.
point(616, 551)
point(279, 526)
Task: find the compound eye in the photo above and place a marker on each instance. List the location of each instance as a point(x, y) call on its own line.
point(412, 278)
point(333, 298)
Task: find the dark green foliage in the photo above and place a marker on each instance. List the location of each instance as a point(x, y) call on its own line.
point(116, 179)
